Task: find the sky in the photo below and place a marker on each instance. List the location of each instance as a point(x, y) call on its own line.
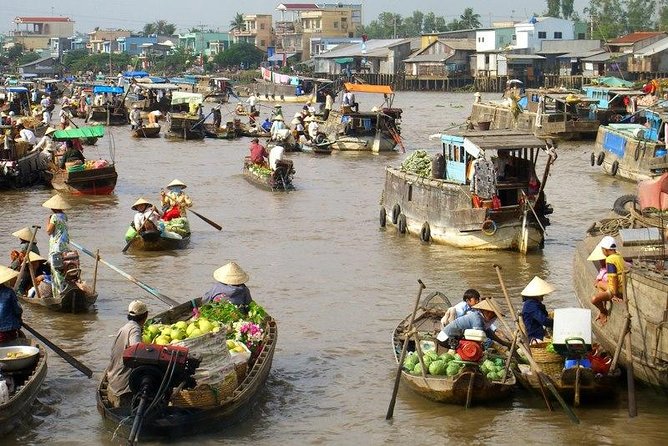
point(216, 14)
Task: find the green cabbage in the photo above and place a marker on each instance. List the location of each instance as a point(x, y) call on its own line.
point(492, 376)
point(447, 357)
point(499, 362)
point(427, 360)
point(417, 370)
point(438, 368)
point(411, 360)
point(452, 369)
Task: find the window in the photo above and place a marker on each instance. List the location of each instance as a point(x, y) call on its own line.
point(557, 34)
point(261, 25)
point(336, 25)
point(581, 36)
point(542, 35)
point(513, 38)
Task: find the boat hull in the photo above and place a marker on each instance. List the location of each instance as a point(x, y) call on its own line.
point(183, 126)
point(23, 172)
point(159, 244)
point(272, 182)
point(146, 132)
point(647, 295)
point(72, 300)
point(87, 182)
point(178, 422)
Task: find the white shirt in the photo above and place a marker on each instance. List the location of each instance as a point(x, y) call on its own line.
point(46, 144)
point(28, 135)
point(313, 129)
point(329, 102)
point(252, 100)
point(140, 218)
point(275, 154)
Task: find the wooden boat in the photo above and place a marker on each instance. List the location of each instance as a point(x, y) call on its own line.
point(255, 131)
point(633, 151)
point(27, 383)
point(444, 389)
point(546, 113)
point(147, 131)
point(278, 180)
point(646, 292)
point(20, 166)
point(181, 123)
point(374, 131)
point(153, 241)
point(231, 130)
point(269, 88)
point(173, 421)
point(443, 210)
point(323, 148)
point(108, 114)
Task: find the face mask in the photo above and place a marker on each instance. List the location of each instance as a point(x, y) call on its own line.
point(176, 189)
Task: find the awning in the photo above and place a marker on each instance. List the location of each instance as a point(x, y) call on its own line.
point(278, 57)
point(96, 131)
point(184, 97)
point(343, 60)
point(107, 89)
point(367, 88)
point(135, 74)
point(159, 86)
point(17, 89)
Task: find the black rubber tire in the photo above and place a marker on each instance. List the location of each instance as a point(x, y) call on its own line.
point(425, 232)
point(383, 217)
point(614, 168)
point(620, 206)
point(401, 224)
point(636, 153)
point(396, 210)
point(320, 138)
point(593, 159)
point(600, 158)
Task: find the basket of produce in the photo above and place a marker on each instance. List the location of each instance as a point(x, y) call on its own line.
point(18, 357)
point(418, 163)
point(551, 362)
point(76, 168)
point(206, 395)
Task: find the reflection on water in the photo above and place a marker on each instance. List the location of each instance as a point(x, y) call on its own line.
point(335, 281)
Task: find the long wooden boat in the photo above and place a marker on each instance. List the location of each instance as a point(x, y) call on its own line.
point(633, 151)
point(278, 180)
point(19, 166)
point(27, 383)
point(547, 114)
point(647, 296)
point(181, 123)
point(445, 389)
point(324, 148)
point(175, 421)
point(152, 241)
point(443, 210)
point(108, 114)
point(73, 299)
point(147, 131)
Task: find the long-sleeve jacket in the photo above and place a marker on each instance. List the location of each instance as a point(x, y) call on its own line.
point(535, 319)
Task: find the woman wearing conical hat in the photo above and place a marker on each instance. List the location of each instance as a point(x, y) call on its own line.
point(57, 228)
point(24, 235)
point(230, 285)
point(534, 313)
point(10, 310)
point(174, 200)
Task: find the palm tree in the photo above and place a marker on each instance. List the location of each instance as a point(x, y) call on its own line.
point(237, 22)
point(469, 20)
point(149, 29)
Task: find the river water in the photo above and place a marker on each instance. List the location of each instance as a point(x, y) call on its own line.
point(335, 282)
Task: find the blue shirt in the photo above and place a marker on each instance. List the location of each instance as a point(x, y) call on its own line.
point(239, 295)
point(473, 319)
point(534, 315)
point(10, 310)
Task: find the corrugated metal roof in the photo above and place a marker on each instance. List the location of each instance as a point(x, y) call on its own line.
point(374, 48)
point(603, 57)
point(634, 37)
point(567, 46)
point(581, 54)
point(524, 57)
point(653, 49)
point(428, 58)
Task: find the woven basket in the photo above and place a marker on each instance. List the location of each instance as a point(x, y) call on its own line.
point(206, 396)
point(241, 369)
point(551, 363)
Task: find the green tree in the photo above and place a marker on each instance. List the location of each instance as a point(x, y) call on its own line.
point(553, 7)
point(412, 26)
point(639, 15)
point(609, 18)
point(148, 29)
point(239, 53)
point(429, 23)
point(662, 22)
point(27, 58)
point(567, 9)
point(237, 22)
point(159, 27)
point(469, 19)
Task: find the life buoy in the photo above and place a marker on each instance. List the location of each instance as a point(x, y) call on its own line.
point(636, 153)
point(396, 210)
point(600, 158)
point(401, 224)
point(488, 227)
point(383, 217)
point(425, 232)
point(593, 158)
point(614, 168)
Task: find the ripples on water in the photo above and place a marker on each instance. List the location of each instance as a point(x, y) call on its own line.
point(336, 283)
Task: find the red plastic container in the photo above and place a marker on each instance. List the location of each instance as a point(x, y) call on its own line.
point(600, 364)
point(469, 350)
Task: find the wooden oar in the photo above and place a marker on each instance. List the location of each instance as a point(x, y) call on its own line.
point(630, 375)
point(211, 222)
point(127, 245)
point(166, 299)
point(26, 260)
point(62, 353)
point(390, 409)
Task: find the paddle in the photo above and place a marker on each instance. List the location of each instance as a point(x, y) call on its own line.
point(63, 354)
point(26, 257)
point(211, 222)
point(630, 375)
point(390, 409)
point(166, 299)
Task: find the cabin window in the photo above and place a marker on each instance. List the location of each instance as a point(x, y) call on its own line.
point(542, 34)
point(410, 192)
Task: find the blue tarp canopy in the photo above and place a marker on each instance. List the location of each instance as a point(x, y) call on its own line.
point(158, 80)
point(17, 89)
point(182, 80)
point(135, 74)
point(107, 89)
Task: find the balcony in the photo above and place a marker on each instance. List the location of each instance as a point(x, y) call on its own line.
point(288, 28)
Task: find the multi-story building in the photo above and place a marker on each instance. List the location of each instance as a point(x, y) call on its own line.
point(529, 35)
point(35, 33)
point(257, 30)
point(310, 21)
point(356, 9)
point(105, 40)
point(133, 44)
point(204, 43)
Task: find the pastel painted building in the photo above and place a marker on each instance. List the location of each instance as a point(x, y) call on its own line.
point(35, 33)
point(529, 35)
point(257, 30)
point(133, 44)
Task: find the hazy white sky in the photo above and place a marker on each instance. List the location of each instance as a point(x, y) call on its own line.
point(216, 14)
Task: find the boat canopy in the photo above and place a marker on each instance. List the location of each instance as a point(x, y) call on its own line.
point(96, 131)
point(477, 142)
point(367, 88)
point(182, 80)
point(17, 89)
point(135, 74)
point(184, 97)
point(107, 89)
point(146, 86)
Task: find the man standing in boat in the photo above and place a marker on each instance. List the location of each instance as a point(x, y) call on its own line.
point(118, 375)
point(615, 267)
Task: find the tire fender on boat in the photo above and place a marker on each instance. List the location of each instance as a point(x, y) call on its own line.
point(620, 205)
point(401, 224)
point(593, 159)
point(383, 217)
point(396, 210)
point(600, 158)
point(488, 227)
point(614, 168)
point(425, 232)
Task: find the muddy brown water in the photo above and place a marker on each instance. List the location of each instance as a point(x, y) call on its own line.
point(336, 283)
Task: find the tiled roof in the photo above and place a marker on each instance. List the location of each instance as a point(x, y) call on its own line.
point(634, 37)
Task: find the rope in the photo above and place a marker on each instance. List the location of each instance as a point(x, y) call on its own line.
point(610, 226)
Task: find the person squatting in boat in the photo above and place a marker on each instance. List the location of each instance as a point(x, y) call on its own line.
point(616, 271)
point(471, 297)
point(230, 285)
point(481, 317)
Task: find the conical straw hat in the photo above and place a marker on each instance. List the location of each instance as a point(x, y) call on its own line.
point(56, 202)
point(7, 274)
point(537, 287)
point(24, 234)
point(230, 274)
point(177, 183)
point(596, 254)
point(484, 305)
point(138, 202)
point(35, 257)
